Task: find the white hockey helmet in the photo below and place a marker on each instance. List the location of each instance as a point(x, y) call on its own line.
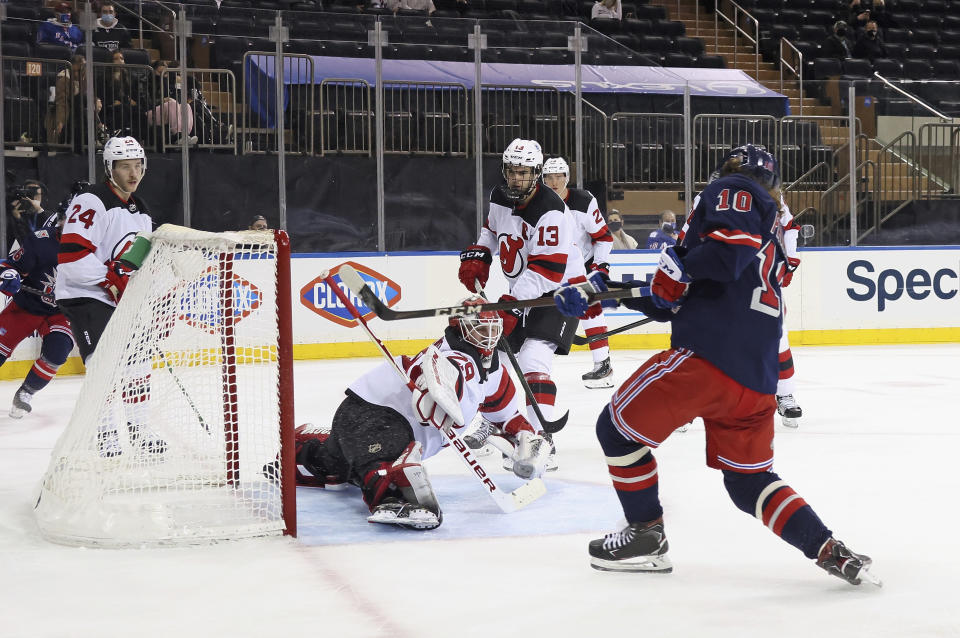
point(556, 165)
point(482, 330)
point(522, 153)
point(122, 148)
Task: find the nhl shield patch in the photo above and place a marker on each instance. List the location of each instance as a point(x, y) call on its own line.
point(317, 296)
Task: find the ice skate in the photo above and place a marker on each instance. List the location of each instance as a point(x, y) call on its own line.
point(396, 511)
point(21, 404)
point(600, 377)
point(639, 547)
point(837, 559)
point(789, 410)
point(479, 436)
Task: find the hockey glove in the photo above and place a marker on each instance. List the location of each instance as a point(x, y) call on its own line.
point(572, 299)
point(115, 281)
point(9, 282)
point(792, 264)
point(510, 317)
point(602, 267)
point(475, 264)
point(671, 282)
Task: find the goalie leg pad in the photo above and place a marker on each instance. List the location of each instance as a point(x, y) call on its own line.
point(400, 493)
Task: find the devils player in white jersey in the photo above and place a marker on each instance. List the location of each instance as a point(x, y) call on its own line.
point(595, 242)
point(534, 234)
point(101, 223)
point(787, 405)
point(382, 431)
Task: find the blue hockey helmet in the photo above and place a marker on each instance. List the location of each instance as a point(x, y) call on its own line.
point(754, 162)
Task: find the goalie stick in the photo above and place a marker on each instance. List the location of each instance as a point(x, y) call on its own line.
point(506, 501)
point(582, 341)
point(550, 427)
point(357, 285)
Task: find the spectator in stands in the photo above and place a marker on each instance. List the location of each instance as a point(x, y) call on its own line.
point(621, 240)
point(838, 45)
point(68, 101)
point(259, 223)
point(862, 11)
point(869, 44)
point(59, 29)
point(167, 112)
point(666, 234)
point(608, 9)
point(109, 33)
point(121, 105)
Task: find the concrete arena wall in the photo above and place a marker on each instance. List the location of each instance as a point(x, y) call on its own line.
point(839, 296)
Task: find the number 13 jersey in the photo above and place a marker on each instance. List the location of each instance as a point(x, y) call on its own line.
point(535, 242)
point(99, 228)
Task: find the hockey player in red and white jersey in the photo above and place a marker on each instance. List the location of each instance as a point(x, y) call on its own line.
point(787, 405)
point(381, 432)
point(531, 230)
point(595, 242)
point(101, 223)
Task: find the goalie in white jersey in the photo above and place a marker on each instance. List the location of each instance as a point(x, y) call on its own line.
point(381, 432)
point(595, 242)
point(101, 223)
point(534, 234)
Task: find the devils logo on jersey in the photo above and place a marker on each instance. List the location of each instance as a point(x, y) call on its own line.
point(121, 246)
point(511, 261)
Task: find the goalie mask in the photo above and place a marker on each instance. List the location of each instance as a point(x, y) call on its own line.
point(481, 330)
point(522, 166)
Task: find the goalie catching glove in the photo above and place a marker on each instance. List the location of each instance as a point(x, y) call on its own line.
point(437, 386)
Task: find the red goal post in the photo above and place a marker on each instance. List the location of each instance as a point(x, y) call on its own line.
point(186, 401)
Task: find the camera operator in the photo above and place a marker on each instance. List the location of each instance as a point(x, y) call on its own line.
point(25, 203)
point(27, 276)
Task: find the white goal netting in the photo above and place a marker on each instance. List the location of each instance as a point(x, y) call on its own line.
point(182, 404)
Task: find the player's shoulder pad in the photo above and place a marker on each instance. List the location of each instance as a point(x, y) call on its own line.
point(94, 198)
point(543, 203)
point(579, 200)
point(497, 197)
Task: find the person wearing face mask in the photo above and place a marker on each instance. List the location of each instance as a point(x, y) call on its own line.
point(59, 29)
point(666, 235)
point(838, 45)
point(621, 240)
point(109, 33)
point(869, 45)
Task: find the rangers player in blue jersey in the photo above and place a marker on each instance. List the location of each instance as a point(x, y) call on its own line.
point(27, 275)
point(720, 289)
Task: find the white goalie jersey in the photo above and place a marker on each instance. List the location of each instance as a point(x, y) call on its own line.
point(490, 391)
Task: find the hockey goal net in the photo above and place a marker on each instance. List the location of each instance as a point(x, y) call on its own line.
point(187, 399)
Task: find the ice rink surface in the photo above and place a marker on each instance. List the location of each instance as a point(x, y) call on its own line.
point(875, 455)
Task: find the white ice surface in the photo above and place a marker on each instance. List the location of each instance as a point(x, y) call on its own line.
point(874, 455)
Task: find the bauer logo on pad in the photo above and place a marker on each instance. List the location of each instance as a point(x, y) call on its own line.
point(316, 296)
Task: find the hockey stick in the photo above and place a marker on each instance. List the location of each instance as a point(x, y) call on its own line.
point(506, 501)
point(551, 427)
point(356, 284)
point(183, 390)
point(582, 341)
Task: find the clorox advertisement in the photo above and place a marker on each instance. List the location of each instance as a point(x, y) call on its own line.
point(317, 296)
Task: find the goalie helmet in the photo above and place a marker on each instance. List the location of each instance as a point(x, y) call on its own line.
point(481, 330)
point(754, 162)
point(521, 153)
point(122, 148)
